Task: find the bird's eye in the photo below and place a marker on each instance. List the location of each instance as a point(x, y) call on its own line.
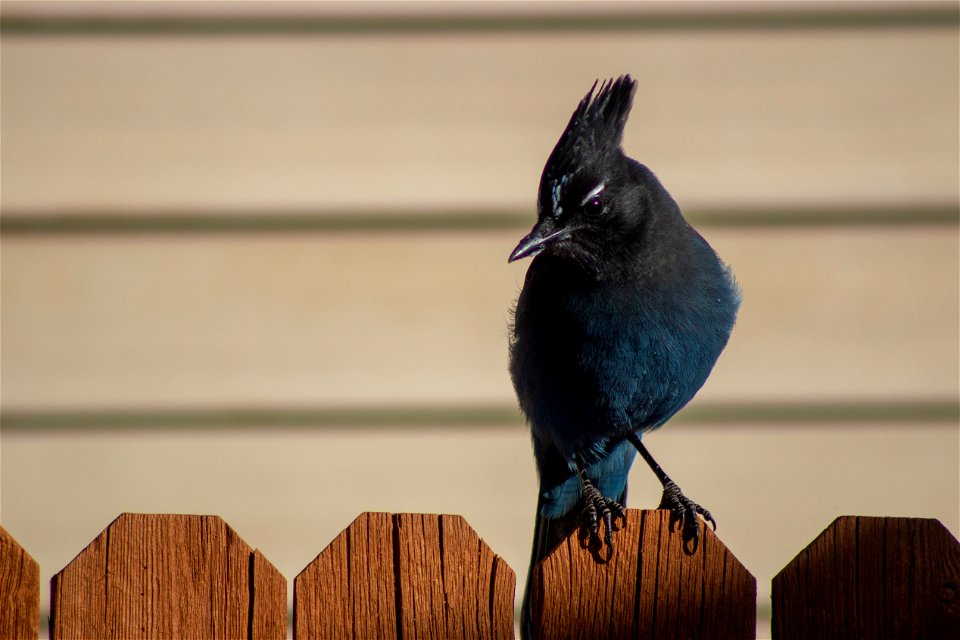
point(593, 207)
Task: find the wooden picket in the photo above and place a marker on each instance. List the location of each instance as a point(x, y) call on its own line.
point(649, 586)
point(431, 576)
point(19, 591)
point(405, 575)
point(869, 577)
point(168, 576)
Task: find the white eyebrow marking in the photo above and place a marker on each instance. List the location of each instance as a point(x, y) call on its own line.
point(600, 187)
point(558, 186)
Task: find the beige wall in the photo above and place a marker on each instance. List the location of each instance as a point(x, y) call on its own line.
point(162, 335)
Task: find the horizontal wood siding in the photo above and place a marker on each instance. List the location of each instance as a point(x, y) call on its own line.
point(311, 319)
point(270, 122)
point(250, 218)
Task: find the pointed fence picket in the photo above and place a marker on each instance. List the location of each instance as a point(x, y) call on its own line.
point(650, 585)
point(168, 576)
point(431, 576)
point(19, 590)
point(406, 575)
point(867, 577)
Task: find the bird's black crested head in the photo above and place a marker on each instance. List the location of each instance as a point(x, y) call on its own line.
point(591, 197)
point(589, 146)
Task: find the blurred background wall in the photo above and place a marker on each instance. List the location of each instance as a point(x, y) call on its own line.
point(254, 260)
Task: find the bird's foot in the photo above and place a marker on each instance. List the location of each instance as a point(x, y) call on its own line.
point(684, 510)
point(596, 509)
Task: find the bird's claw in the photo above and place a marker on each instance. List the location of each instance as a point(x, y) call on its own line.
point(684, 510)
point(597, 508)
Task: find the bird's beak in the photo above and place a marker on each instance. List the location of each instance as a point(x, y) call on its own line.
point(544, 233)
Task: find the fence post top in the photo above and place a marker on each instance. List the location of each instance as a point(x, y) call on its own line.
point(19, 590)
point(649, 581)
point(405, 575)
point(847, 530)
point(166, 576)
point(874, 577)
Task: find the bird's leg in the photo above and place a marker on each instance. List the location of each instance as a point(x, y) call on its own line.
point(682, 508)
point(597, 507)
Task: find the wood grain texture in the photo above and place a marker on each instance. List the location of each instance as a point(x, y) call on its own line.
point(168, 576)
point(648, 586)
point(870, 577)
point(405, 576)
point(19, 591)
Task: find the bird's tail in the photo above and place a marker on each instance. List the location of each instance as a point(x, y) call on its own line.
point(559, 505)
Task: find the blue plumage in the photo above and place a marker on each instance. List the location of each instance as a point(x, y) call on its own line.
point(623, 313)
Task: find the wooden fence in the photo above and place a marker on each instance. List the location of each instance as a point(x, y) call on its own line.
point(431, 576)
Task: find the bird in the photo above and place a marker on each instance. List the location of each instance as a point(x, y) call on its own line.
point(624, 310)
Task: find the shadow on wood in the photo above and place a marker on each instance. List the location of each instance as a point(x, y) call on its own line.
point(19, 591)
point(405, 575)
point(649, 587)
point(168, 576)
point(867, 577)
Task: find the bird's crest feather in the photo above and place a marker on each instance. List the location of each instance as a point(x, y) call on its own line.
point(592, 138)
point(596, 126)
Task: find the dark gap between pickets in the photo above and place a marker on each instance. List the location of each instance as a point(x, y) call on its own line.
point(350, 581)
point(493, 583)
point(857, 613)
point(656, 584)
point(443, 571)
point(639, 583)
point(251, 593)
point(106, 581)
point(703, 577)
point(204, 544)
point(885, 603)
point(397, 595)
point(912, 569)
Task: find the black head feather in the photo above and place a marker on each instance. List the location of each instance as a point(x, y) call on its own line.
point(591, 195)
point(598, 122)
point(592, 137)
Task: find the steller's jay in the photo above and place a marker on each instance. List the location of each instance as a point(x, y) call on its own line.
point(623, 313)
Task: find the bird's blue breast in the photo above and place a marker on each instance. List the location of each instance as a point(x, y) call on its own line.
point(594, 360)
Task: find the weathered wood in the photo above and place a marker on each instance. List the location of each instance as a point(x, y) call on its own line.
point(168, 576)
point(405, 576)
point(19, 591)
point(647, 586)
point(869, 577)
